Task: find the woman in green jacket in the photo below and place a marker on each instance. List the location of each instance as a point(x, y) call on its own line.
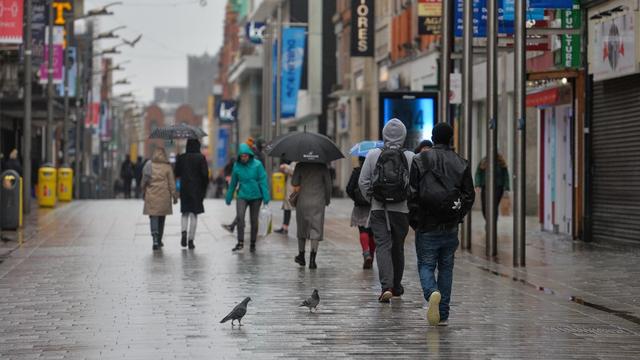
point(250, 177)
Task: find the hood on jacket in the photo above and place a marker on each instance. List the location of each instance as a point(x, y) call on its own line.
point(245, 149)
point(160, 156)
point(193, 146)
point(394, 133)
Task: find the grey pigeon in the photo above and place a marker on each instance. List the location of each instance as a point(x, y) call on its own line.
point(313, 301)
point(237, 313)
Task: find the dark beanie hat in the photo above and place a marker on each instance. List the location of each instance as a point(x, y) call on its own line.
point(442, 134)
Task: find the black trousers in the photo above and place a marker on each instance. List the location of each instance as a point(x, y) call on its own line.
point(483, 196)
point(390, 246)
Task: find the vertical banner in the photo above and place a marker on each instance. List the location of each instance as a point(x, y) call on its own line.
point(11, 21)
point(571, 44)
point(38, 25)
point(429, 17)
point(221, 147)
point(73, 74)
point(58, 56)
point(293, 41)
point(362, 28)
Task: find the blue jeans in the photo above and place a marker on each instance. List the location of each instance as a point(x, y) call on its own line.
point(436, 249)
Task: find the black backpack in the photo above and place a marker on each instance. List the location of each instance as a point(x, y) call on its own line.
point(391, 177)
point(353, 189)
point(440, 193)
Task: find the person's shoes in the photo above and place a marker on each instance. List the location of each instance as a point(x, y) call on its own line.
point(161, 244)
point(368, 262)
point(398, 291)
point(252, 248)
point(229, 228)
point(300, 259)
point(183, 240)
point(433, 312)
point(281, 231)
point(444, 322)
point(191, 245)
point(385, 296)
point(312, 260)
point(238, 247)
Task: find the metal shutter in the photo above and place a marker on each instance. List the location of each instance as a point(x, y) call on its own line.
point(615, 132)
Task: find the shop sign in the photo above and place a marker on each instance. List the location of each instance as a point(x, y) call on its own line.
point(570, 45)
point(614, 41)
point(362, 28)
point(429, 17)
point(255, 31)
point(227, 111)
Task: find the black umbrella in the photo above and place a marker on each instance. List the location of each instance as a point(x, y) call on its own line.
point(181, 131)
point(305, 147)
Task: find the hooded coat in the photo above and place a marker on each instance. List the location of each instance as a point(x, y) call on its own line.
point(250, 178)
point(193, 172)
point(158, 185)
point(394, 134)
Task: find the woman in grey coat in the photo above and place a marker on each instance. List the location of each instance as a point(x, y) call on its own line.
point(313, 184)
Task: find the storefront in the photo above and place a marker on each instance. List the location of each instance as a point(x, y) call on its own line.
point(615, 126)
point(555, 157)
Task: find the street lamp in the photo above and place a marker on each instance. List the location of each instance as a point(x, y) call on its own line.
point(109, 34)
point(103, 10)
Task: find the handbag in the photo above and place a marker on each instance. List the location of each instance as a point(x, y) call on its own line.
point(293, 198)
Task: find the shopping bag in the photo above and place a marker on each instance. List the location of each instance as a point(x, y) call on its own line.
point(264, 221)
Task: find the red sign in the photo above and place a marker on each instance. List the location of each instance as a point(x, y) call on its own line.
point(11, 12)
point(92, 118)
point(545, 97)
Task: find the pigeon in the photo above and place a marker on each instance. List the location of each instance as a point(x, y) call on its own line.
point(237, 313)
point(313, 301)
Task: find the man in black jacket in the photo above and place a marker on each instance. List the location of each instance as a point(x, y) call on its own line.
point(442, 194)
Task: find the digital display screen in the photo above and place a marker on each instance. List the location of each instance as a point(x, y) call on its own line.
point(417, 111)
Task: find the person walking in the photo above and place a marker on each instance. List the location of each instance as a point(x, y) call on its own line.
point(384, 180)
point(158, 189)
point(312, 182)
point(441, 195)
point(193, 172)
point(360, 216)
point(287, 169)
point(13, 163)
point(127, 174)
point(251, 179)
point(502, 182)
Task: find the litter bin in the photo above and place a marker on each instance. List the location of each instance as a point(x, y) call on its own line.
point(65, 184)
point(47, 186)
point(278, 186)
point(11, 200)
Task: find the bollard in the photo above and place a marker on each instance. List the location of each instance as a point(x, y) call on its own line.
point(11, 200)
point(47, 186)
point(278, 181)
point(65, 184)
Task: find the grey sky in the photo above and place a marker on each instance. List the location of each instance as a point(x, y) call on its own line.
point(172, 29)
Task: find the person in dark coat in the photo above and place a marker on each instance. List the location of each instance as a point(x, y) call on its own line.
point(191, 168)
point(127, 174)
point(13, 163)
point(502, 183)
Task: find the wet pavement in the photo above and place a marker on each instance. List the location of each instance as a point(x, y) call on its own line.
point(84, 283)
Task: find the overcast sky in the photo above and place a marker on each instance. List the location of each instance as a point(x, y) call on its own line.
point(172, 29)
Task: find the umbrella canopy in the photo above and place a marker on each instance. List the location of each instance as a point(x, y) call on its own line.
point(181, 131)
point(362, 148)
point(305, 147)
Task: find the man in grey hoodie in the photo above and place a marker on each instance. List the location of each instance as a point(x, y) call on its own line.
point(390, 229)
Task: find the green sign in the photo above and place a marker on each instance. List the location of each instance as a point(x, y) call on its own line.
point(571, 45)
point(241, 7)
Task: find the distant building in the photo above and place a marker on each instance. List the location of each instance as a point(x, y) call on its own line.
point(202, 72)
point(170, 95)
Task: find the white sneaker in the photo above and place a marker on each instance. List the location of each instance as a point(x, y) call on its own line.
point(443, 323)
point(433, 313)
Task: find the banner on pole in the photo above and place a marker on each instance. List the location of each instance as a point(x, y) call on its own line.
point(11, 21)
point(293, 41)
point(58, 56)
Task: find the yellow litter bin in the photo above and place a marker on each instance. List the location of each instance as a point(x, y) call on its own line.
point(47, 186)
point(278, 186)
point(65, 184)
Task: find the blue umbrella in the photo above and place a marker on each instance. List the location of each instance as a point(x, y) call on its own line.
point(362, 148)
